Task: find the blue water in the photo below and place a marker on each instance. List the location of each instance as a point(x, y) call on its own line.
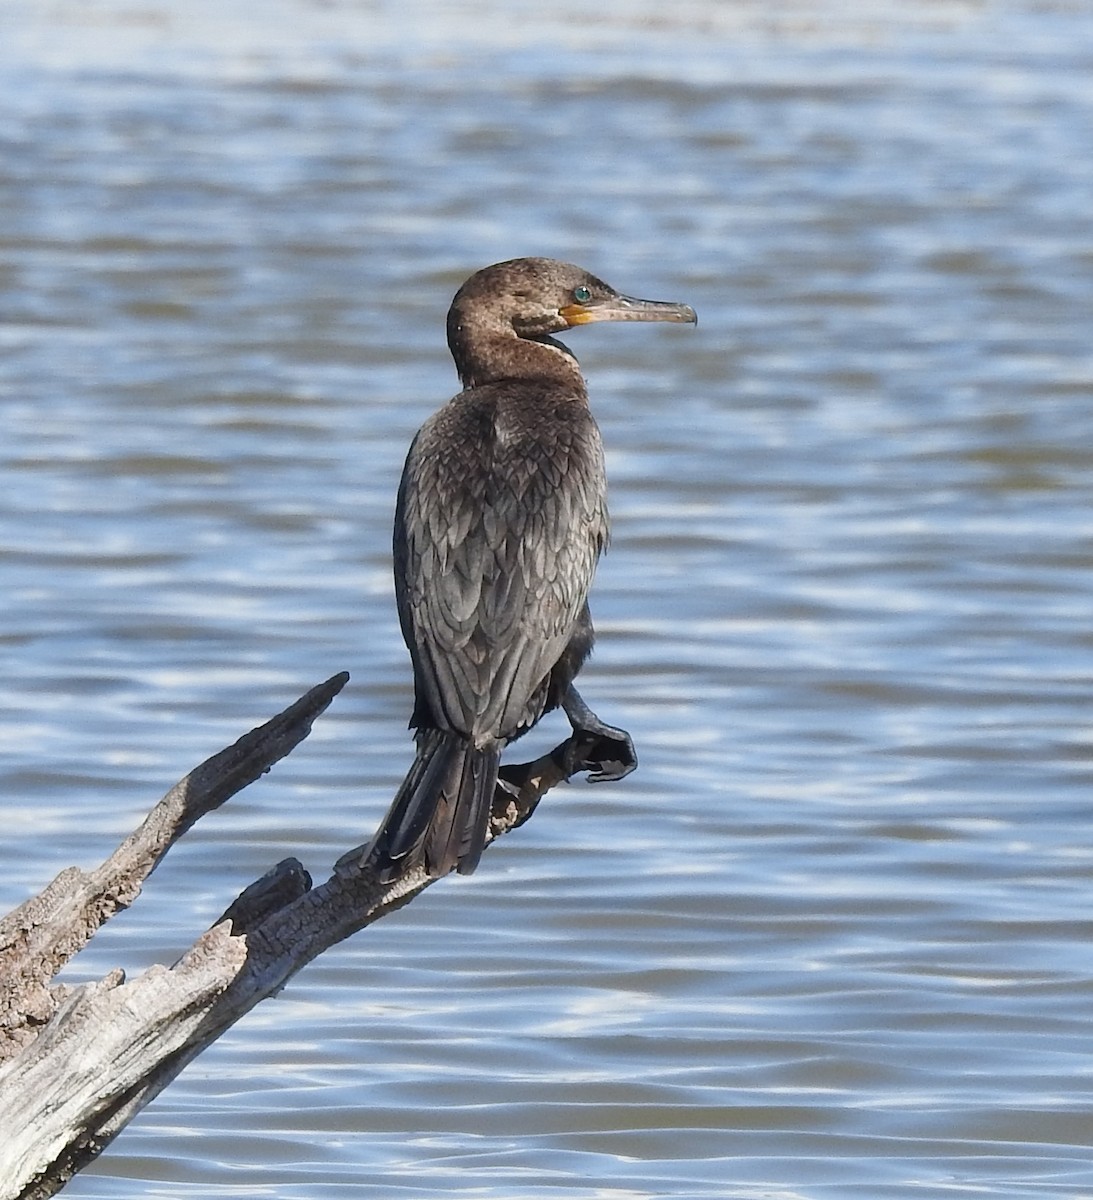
point(833, 938)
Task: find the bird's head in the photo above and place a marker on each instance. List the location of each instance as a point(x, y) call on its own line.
point(540, 296)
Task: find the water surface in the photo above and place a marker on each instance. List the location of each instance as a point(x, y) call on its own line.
point(833, 938)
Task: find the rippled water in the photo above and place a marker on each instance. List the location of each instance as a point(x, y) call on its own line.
point(833, 938)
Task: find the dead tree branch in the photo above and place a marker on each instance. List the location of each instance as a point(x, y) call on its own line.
point(78, 1063)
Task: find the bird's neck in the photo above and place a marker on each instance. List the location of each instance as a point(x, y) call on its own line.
point(488, 356)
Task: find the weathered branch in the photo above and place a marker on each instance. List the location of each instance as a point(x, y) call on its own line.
point(41, 935)
point(81, 1062)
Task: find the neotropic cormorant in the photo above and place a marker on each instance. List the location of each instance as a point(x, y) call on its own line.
point(500, 519)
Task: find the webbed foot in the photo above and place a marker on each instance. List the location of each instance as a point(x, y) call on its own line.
point(606, 753)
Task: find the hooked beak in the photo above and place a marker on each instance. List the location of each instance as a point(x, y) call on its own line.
point(627, 308)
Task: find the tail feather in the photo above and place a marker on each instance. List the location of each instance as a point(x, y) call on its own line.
point(442, 808)
point(457, 835)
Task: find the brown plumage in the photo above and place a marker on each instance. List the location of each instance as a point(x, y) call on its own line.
point(501, 517)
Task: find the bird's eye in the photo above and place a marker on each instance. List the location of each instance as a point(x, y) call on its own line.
point(582, 294)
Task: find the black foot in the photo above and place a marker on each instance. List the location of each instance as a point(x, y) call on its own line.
point(605, 752)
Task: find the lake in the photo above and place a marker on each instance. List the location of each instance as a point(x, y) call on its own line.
point(834, 938)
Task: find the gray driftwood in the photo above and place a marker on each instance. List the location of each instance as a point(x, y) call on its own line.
point(78, 1063)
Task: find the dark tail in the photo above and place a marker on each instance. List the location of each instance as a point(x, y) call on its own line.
point(442, 807)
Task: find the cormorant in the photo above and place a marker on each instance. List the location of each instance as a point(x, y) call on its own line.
point(501, 516)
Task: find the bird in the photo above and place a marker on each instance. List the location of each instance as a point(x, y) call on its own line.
point(500, 519)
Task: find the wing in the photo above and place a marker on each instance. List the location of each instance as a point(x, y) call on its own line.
point(501, 518)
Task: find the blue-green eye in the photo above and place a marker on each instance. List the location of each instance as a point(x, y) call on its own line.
point(582, 294)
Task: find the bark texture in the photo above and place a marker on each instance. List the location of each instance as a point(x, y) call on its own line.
point(78, 1063)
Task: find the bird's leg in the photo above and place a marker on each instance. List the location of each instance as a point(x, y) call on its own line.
point(605, 752)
